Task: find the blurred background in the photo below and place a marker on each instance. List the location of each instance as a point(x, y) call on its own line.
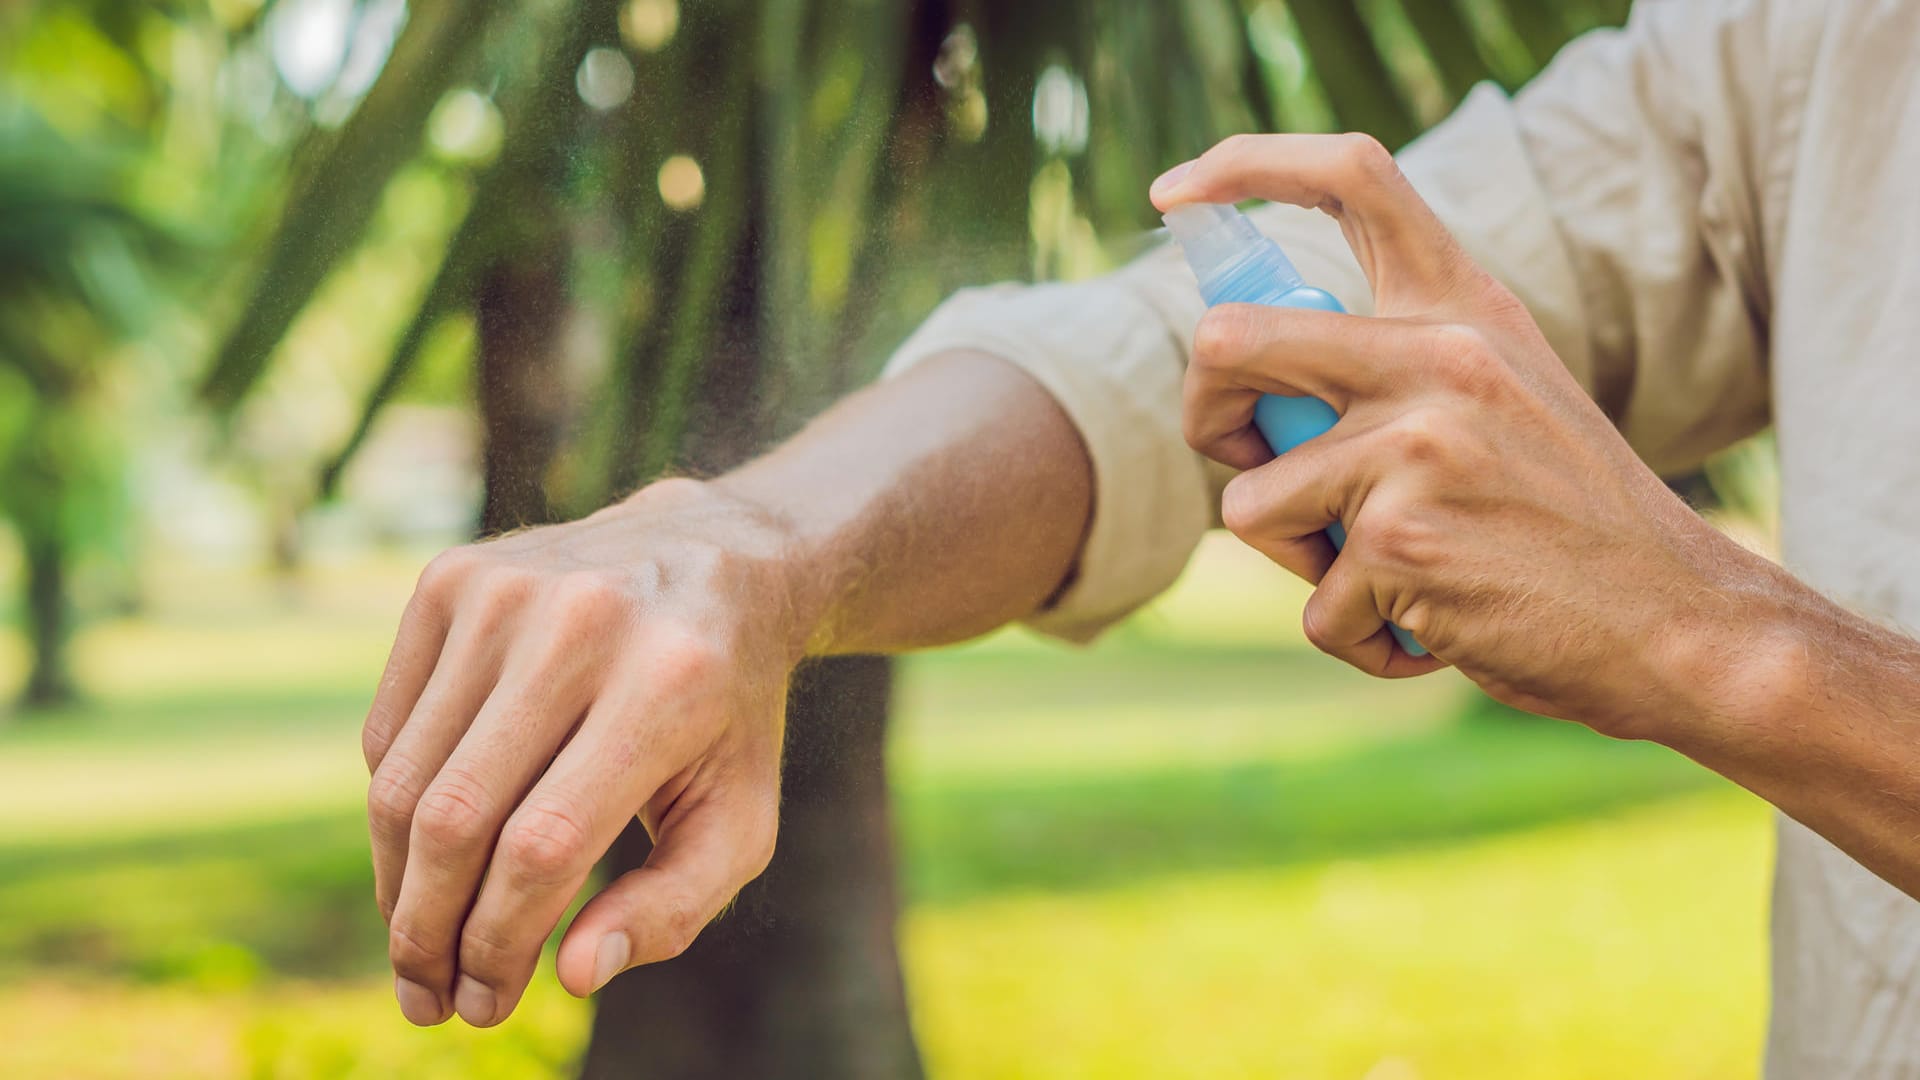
point(294, 294)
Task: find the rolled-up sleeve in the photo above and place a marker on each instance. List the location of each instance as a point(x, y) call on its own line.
point(1115, 368)
point(1614, 195)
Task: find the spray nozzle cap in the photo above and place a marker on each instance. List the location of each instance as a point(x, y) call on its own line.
point(1214, 237)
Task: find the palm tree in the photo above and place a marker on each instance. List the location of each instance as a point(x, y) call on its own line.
point(71, 253)
point(835, 166)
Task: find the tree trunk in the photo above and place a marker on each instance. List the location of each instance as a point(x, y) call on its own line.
point(801, 979)
point(521, 305)
point(49, 682)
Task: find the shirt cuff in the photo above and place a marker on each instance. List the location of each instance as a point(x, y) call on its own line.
point(1108, 360)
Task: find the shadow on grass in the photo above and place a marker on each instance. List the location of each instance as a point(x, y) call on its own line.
point(295, 896)
point(292, 896)
point(1124, 670)
point(192, 714)
point(1495, 770)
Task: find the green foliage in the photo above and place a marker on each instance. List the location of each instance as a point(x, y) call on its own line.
point(845, 189)
point(331, 200)
point(72, 281)
point(819, 142)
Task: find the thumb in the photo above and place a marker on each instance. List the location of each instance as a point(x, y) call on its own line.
point(702, 858)
point(1411, 261)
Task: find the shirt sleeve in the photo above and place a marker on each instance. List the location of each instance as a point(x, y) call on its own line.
point(1614, 195)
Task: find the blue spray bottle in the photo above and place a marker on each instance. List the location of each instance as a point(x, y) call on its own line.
point(1237, 264)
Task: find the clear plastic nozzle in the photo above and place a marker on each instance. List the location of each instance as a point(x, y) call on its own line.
point(1216, 237)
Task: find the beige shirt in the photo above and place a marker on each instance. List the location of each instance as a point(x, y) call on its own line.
point(1715, 216)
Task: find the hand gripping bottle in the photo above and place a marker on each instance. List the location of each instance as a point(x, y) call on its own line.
point(1236, 264)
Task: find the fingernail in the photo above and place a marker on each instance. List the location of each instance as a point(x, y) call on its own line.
point(611, 958)
point(474, 1001)
point(1166, 181)
point(418, 1004)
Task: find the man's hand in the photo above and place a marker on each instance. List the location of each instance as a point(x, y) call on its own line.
point(544, 689)
point(1491, 509)
point(548, 686)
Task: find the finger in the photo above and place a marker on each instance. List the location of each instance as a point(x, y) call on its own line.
point(1412, 262)
point(416, 648)
point(550, 844)
point(545, 854)
point(459, 815)
point(462, 679)
point(700, 861)
point(1241, 351)
point(1283, 508)
point(1342, 618)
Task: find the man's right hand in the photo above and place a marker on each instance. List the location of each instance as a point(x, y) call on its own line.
point(544, 689)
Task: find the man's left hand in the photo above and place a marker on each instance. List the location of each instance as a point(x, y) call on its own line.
point(1491, 509)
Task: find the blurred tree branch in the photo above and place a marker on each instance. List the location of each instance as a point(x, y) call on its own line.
point(334, 196)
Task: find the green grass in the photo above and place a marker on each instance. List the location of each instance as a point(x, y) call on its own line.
point(1196, 850)
point(1623, 946)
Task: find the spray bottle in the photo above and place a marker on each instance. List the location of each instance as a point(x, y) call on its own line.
point(1237, 264)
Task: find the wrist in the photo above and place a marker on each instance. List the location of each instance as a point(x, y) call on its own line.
point(759, 559)
point(1739, 665)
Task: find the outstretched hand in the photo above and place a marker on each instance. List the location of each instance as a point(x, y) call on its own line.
point(1491, 509)
point(544, 689)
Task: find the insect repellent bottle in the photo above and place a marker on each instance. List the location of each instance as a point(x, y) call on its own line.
point(1237, 264)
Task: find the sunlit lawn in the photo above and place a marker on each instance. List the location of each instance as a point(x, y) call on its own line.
point(1196, 850)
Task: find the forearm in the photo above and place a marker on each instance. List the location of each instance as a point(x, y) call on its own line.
point(1813, 709)
point(929, 508)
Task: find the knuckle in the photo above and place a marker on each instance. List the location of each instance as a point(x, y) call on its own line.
point(1421, 437)
point(1465, 360)
point(1240, 506)
point(685, 663)
point(588, 600)
point(499, 592)
point(1220, 338)
point(486, 953)
point(1367, 156)
point(453, 810)
point(445, 573)
point(545, 842)
point(681, 920)
point(1195, 424)
point(375, 740)
point(1416, 618)
point(1459, 340)
point(391, 796)
point(1317, 627)
point(1501, 303)
point(1234, 148)
point(1196, 437)
point(1400, 538)
point(412, 957)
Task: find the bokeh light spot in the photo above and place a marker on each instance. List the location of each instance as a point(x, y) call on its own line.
point(682, 185)
point(465, 127)
point(605, 78)
point(649, 24)
point(308, 39)
point(1060, 111)
point(957, 72)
